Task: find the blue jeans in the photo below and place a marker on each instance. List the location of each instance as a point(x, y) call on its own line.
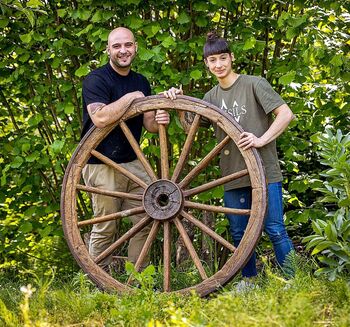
point(274, 226)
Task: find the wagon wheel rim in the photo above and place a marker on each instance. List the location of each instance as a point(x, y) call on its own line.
point(171, 185)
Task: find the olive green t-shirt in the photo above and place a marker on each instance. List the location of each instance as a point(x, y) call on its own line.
point(250, 101)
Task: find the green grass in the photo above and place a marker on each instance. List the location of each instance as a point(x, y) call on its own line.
point(301, 301)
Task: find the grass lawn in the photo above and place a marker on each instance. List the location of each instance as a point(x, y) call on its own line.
point(302, 301)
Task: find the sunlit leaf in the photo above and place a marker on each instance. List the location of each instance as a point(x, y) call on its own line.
point(287, 78)
point(82, 70)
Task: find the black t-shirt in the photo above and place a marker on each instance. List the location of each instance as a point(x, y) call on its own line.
point(105, 85)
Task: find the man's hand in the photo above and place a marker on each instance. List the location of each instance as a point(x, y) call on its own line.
point(162, 117)
point(152, 120)
point(172, 92)
point(248, 140)
point(134, 95)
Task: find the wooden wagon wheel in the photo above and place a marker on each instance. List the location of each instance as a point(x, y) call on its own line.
point(166, 200)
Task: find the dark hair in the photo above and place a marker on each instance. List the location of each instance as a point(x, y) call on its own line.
point(215, 45)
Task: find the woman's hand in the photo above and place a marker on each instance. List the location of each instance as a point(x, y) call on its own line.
point(172, 92)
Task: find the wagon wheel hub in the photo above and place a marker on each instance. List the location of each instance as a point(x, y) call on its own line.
point(163, 200)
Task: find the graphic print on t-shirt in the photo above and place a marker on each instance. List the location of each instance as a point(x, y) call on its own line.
point(236, 110)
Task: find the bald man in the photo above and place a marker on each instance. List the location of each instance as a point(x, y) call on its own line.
point(107, 91)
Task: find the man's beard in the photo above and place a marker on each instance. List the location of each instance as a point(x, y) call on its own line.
point(118, 63)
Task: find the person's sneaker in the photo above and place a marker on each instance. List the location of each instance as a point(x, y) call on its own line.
point(244, 286)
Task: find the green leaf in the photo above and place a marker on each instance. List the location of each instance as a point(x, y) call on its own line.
point(297, 21)
point(61, 12)
point(316, 240)
point(3, 179)
point(130, 268)
point(285, 16)
point(342, 255)
point(321, 246)
point(344, 203)
point(68, 108)
point(30, 15)
point(26, 227)
point(77, 51)
point(4, 22)
point(26, 38)
point(34, 156)
point(84, 14)
point(337, 60)
point(287, 78)
point(201, 21)
point(45, 232)
point(97, 17)
point(331, 232)
point(25, 147)
point(196, 74)
point(152, 29)
point(183, 18)
point(135, 22)
point(323, 270)
point(249, 43)
point(218, 192)
point(66, 87)
point(328, 261)
point(133, 2)
point(57, 146)
point(316, 227)
point(85, 30)
point(26, 188)
point(310, 237)
point(17, 162)
point(145, 54)
point(82, 70)
point(291, 32)
point(149, 270)
point(168, 42)
point(200, 6)
point(24, 58)
point(216, 17)
point(34, 3)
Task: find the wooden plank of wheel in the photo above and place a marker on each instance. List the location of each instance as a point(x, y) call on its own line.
point(166, 201)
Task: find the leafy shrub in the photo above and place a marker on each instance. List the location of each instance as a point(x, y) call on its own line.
point(331, 240)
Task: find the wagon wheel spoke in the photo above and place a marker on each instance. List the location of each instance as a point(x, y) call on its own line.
point(167, 255)
point(208, 207)
point(164, 161)
point(186, 148)
point(208, 231)
point(127, 236)
point(190, 248)
point(118, 167)
point(136, 147)
point(146, 247)
point(218, 182)
point(109, 193)
point(204, 163)
point(112, 216)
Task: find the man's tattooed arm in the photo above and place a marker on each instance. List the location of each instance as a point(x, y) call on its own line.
point(95, 107)
point(186, 120)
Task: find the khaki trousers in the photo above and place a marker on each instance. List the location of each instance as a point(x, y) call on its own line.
point(103, 234)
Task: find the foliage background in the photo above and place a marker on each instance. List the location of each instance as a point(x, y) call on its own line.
point(47, 47)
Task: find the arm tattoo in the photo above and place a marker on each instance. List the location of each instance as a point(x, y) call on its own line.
point(94, 107)
point(189, 117)
point(186, 120)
